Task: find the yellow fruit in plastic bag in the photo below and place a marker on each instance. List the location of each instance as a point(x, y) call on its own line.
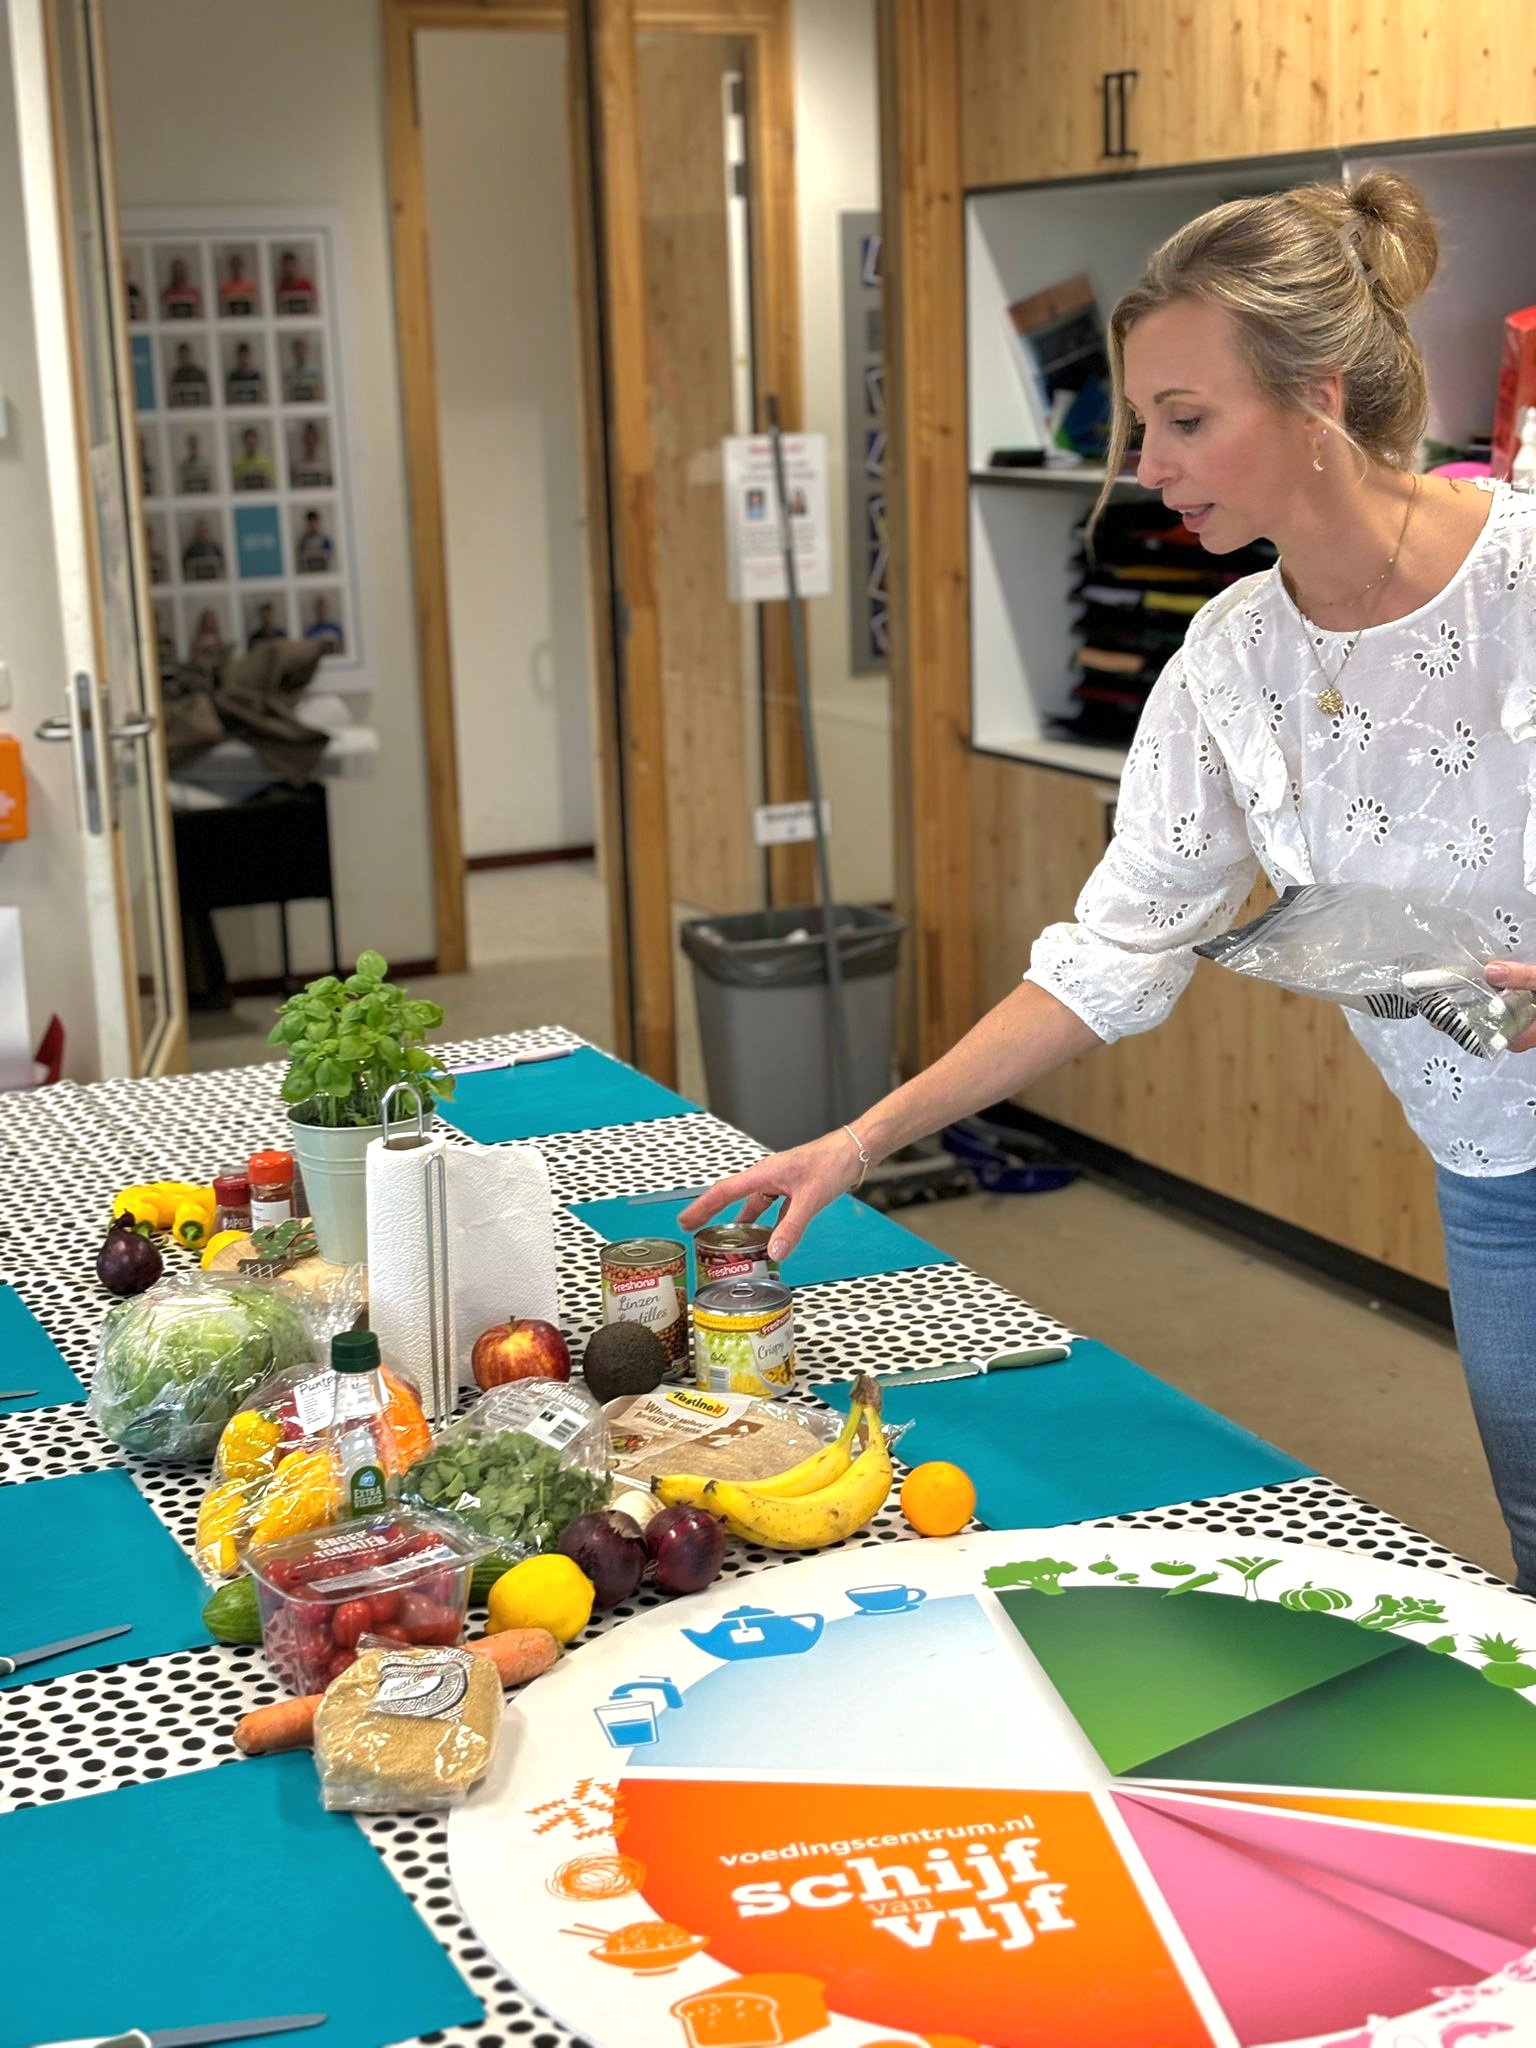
point(218, 1519)
point(305, 1493)
point(249, 1446)
point(549, 1591)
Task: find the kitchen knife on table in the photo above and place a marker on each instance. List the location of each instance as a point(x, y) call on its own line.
point(45, 1650)
point(200, 2037)
point(971, 1368)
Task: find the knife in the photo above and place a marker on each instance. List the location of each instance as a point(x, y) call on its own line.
point(518, 1059)
point(17, 1393)
point(97, 1635)
point(200, 2037)
point(964, 1369)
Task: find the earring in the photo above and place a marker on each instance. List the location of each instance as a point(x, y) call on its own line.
point(1317, 453)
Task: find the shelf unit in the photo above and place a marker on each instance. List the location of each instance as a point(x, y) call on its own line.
point(1020, 239)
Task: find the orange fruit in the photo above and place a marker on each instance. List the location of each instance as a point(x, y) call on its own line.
point(938, 1499)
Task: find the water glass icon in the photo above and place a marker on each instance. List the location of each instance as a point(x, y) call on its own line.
point(630, 1722)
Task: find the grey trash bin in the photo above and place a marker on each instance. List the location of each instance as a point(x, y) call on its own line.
point(760, 980)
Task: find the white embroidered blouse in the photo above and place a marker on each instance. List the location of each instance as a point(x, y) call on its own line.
point(1425, 781)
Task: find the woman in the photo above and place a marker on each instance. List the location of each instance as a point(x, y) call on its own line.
point(1364, 711)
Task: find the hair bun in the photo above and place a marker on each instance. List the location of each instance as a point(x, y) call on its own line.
point(1394, 237)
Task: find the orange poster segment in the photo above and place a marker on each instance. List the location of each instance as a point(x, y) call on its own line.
point(1007, 1917)
point(1430, 1816)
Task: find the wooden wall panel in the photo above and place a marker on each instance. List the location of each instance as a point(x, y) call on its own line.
point(1248, 1091)
point(710, 777)
point(1427, 67)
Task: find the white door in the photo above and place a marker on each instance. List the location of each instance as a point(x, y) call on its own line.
point(109, 697)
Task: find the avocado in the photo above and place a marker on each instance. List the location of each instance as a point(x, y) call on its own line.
point(623, 1358)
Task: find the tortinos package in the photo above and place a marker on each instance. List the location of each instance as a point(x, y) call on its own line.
point(1363, 947)
point(720, 1436)
point(406, 1730)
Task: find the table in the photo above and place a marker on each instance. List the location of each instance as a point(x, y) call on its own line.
point(65, 1150)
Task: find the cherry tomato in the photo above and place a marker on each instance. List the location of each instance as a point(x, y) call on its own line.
point(391, 1632)
point(351, 1619)
point(427, 1621)
point(343, 1660)
point(383, 1606)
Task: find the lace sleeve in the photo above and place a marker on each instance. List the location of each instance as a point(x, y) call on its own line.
point(1178, 870)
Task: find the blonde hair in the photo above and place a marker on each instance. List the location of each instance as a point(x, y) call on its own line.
point(1316, 281)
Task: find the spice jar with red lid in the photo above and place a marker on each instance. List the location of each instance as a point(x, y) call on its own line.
point(271, 1187)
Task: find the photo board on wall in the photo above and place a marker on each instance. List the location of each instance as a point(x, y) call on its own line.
point(240, 372)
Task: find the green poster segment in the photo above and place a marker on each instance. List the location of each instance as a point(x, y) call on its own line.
point(1412, 1723)
point(1144, 1672)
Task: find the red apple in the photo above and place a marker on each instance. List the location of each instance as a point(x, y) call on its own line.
point(522, 1348)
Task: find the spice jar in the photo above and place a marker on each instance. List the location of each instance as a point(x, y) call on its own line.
point(232, 1194)
point(271, 1188)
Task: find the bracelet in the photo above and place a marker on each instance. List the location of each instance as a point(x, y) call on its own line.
point(865, 1161)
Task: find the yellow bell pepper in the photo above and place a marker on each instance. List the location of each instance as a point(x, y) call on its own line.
point(219, 1522)
point(216, 1244)
point(192, 1219)
point(305, 1493)
point(145, 1203)
point(248, 1448)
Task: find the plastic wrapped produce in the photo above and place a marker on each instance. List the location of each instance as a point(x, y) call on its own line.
point(1362, 946)
point(523, 1462)
point(273, 1474)
point(174, 1364)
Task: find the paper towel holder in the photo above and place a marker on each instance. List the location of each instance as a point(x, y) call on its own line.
point(443, 1393)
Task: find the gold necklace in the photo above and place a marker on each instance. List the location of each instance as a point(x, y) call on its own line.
point(1330, 699)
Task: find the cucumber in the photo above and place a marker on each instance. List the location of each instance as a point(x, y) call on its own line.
point(486, 1573)
point(231, 1614)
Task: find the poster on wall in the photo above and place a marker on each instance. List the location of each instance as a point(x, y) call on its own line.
point(754, 538)
point(239, 372)
point(864, 418)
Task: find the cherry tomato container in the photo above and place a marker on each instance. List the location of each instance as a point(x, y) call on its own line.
point(402, 1575)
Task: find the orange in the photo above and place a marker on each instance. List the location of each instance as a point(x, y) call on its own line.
point(938, 1499)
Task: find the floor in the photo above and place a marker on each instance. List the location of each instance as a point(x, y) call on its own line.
point(1369, 1395)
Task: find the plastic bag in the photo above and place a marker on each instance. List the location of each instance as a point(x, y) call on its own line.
point(1367, 949)
point(719, 1436)
point(174, 1363)
point(528, 1458)
point(273, 1473)
point(406, 1730)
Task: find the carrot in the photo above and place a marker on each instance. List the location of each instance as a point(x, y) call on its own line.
point(518, 1654)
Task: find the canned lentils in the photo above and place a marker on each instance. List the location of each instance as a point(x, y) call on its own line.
point(645, 1280)
point(744, 1337)
point(733, 1251)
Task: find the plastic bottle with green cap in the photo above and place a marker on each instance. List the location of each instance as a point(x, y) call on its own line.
point(361, 1441)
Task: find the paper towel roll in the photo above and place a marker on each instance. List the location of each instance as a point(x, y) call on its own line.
point(500, 1248)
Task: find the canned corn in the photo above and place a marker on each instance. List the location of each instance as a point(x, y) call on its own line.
point(744, 1337)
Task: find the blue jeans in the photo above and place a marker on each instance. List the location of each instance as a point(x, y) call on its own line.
point(1490, 1254)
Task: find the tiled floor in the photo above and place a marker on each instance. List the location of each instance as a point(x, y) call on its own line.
point(1373, 1398)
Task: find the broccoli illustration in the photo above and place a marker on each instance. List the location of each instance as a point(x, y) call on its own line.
point(1391, 1612)
point(1041, 1573)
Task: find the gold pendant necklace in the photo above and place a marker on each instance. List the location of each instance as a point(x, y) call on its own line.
point(1330, 699)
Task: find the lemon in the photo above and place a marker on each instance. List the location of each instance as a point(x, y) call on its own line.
point(217, 1243)
point(549, 1591)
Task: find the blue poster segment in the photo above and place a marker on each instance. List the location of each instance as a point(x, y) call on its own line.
point(846, 1241)
point(258, 541)
point(168, 1943)
point(1090, 1435)
point(30, 1358)
point(583, 1093)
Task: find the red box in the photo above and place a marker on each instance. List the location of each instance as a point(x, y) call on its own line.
point(1517, 387)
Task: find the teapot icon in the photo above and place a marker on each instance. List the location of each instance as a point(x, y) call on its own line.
point(757, 1632)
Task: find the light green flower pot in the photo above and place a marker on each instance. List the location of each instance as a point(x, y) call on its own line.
point(335, 1168)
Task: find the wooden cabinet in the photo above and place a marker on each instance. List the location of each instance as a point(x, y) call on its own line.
point(1216, 79)
point(1253, 1093)
point(1409, 68)
point(1033, 88)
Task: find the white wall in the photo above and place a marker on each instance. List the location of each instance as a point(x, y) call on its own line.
point(837, 152)
point(507, 351)
point(230, 103)
point(40, 875)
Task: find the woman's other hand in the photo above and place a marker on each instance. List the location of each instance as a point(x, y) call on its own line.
point(809, 1178)
point(1514, 974)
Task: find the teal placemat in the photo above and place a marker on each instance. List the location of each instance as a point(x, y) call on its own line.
point(581, 1093)
point(224, 1894)
point(30, 1358)
point(1092, 1435)
point(89, 1552)
point(844, 1242)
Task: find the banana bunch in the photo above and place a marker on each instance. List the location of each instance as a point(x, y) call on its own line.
point(830, 1495)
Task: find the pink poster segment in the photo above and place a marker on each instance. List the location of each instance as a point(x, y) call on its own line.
point(1247, 1924)
point(1488, 1890)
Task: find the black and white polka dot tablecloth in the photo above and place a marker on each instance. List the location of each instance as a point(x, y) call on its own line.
point(63, 1153)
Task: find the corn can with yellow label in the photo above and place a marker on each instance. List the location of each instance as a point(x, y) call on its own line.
point(744, 1338)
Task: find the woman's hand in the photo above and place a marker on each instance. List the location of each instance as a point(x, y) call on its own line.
point(810, 1176)
point(1514, 974)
